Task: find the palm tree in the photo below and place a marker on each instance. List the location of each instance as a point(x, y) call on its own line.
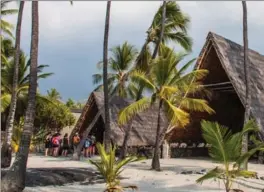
point(11, 115)
point(246, 71)
point(168, 87)
point(7, 74)
point(14, 180)
point(169, 24)
point(159, 40)
point(119, 82)
point(226, 149)
point(53, 94)
point(105, 77)
point(70, 103)
point(120, 66)
point(6, 26)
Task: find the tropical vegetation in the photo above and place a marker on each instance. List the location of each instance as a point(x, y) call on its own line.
point(170, 90)
point(226, 149)
point(120, 66)
point(110, 168)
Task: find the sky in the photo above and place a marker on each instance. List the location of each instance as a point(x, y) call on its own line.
point(71, 36)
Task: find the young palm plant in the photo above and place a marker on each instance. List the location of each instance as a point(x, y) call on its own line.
point(110, 168)
point(166, 82)
point(226, 149)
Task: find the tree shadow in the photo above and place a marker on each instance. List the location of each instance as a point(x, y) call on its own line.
point(56, 176)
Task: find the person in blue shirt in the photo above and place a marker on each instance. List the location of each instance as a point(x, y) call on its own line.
point(87, 145)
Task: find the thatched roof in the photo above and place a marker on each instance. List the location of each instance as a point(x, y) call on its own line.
point(231, 56)
point(143, 127)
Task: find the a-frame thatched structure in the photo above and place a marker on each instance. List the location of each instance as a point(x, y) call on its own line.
point(224, 60)
point(92, 121)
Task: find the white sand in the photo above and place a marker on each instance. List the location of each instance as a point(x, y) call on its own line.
point(150, 181)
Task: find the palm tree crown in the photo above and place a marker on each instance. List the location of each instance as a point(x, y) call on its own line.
point(120, 66)
point(170, 86)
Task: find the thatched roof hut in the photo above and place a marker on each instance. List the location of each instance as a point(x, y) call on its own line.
point(225, 62)
point(92, 118)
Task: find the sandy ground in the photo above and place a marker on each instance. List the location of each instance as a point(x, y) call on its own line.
point(139, 174)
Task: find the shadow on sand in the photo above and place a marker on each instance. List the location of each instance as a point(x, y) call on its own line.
point(56, 176)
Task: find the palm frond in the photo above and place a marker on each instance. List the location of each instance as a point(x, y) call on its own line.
point(214, 173)
point(127, 113)
point(141, 78)
point(180, 37)
point(193, 104)
point(213, 133)
point(176, 116)
point(97, 78)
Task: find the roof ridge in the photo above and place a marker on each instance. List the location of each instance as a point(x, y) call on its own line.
point(212, 35)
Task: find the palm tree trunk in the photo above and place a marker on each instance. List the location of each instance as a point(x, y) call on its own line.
point(156, 156)
point(14, 180)
point(155, 52)
point(246, 71)
point(126, 138)
point(106, 99)
point(6, 150)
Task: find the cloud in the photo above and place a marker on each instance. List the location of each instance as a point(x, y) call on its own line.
point(71, 37)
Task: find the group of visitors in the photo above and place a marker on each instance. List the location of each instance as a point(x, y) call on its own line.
point(54, 143)
point(88, 144)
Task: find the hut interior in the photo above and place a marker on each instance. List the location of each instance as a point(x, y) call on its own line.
point(229, 110)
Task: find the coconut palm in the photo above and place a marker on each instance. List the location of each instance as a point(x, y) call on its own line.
point(13, 89)
point(120, 66)
point(5, 25)
point(119, 82)
point(14, 180)
point(53, 94)
point(105, 77)
point(226, 149)
point(166, 83)
point(175, 28)
point(7, 75)
point(169, 24)
point(247, 75)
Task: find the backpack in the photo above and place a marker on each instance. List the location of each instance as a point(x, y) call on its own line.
point(76, 140)
point(55, 141)
point(87, 143)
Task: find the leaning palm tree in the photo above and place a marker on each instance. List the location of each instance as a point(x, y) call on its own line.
point(14, 180)
point(169, 24)
point(105, 77)
point(226, 149)
point(175, 30)
point(5, 25)
point(167, 83)
point(120, 65)
point(12, 108)
point(246, 72)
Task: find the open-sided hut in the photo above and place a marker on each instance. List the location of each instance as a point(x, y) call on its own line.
point(92, 120)
point(225, 61)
